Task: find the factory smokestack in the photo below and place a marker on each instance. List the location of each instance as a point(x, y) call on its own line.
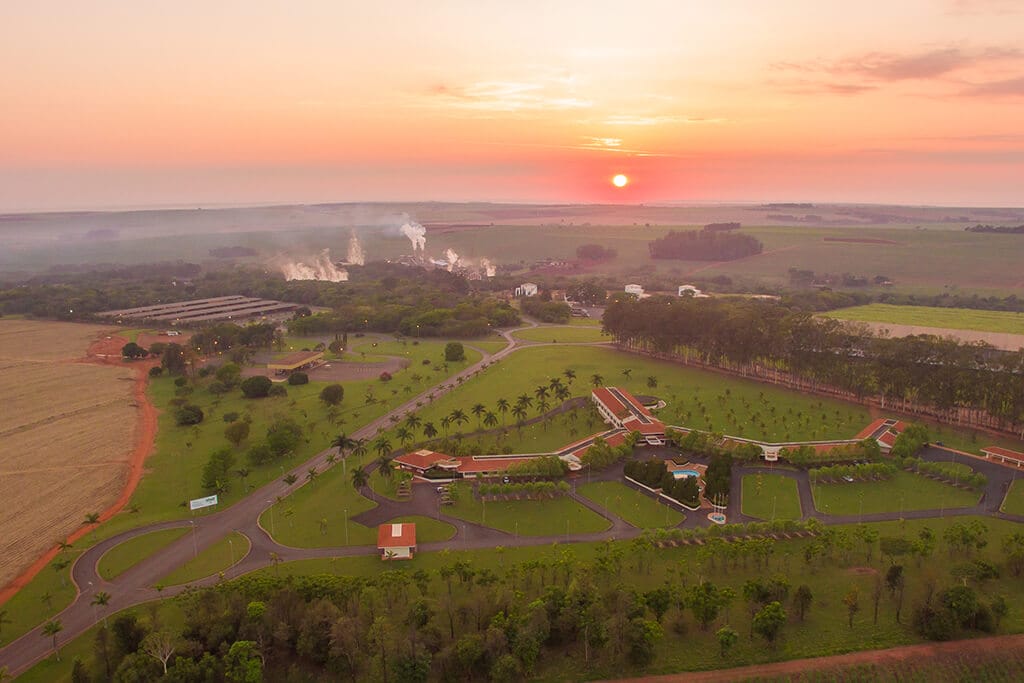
point(356, 255)
point(416, 233)
point(452, 258)
point(321, 268)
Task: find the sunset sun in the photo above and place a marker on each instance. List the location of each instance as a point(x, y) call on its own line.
point(620, 180)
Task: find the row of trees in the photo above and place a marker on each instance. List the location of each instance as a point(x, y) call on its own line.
point(961, 383)
point(808, 456)
point(705, 245)
point(529, 489)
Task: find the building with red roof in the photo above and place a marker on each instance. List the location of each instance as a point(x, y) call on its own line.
point(622, 410)
point(422, 460)
point(396, 541)
point(1004, 455)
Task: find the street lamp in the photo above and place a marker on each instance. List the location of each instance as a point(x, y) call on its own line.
point(271, 517)
point(346, 526)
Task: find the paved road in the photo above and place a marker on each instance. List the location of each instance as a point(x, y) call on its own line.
point(135, 585)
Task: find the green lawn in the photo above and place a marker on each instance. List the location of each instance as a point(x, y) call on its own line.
point(930, 316)
point(216, 558)
point(124, 556)
point(905, 490)
point(541, 437)
point(490, 345)
point(585, 322)
point(44, 596)
point(770, 497)
point(639, 510)
point(568, 333)
point(527, 517)
point(428, 529)
point(1014, 501)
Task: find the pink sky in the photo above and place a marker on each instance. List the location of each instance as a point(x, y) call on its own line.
point(114, 103)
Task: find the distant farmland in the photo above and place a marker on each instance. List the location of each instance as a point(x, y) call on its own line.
point(928, 316)
point(66, 431)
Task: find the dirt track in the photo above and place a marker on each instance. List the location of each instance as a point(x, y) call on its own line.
point(1000, 340)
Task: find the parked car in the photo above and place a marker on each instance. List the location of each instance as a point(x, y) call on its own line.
point(847, 477)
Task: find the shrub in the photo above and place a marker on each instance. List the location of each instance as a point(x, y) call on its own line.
point(215, 472)
point(230, 417)
point(277, 391)
point(454, 352)
point(217, 388)
point(180, 381)
point(283, 435)
point(237, 432)
point(156, 371)
point(385, 376)
point(188, 414)
point(256, 387)
point(298, 378)
point(332, 394)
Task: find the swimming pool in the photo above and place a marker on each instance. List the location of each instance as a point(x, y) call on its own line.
point(680, 474)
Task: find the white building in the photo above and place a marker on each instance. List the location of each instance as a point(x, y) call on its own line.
point(526, 289)
point(691, 291)
point(636, 290)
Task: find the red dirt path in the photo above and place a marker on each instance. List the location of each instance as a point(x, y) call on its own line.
point(107, 351)
point(796, 667)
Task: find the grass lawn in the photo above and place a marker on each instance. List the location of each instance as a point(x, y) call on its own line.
point(44, 596)
point(585, 322)
point(124, 556)
point(931, 316)
point(770, 497)
point(568, 333)
point(1014, 501)
point(541, 437)
point(428, 529)
point(550, 517)
point(914, 492)
point(489, 345)
point(639, 510)
point(213, 559)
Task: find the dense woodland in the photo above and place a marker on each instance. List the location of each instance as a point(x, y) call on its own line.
point(705, 245)
point(957, 382)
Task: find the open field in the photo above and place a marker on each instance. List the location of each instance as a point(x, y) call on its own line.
point(930, 316)
point(124, 556)
point(547, 517)
point(562, 334)
point(905, 491)
point(1014, 501)
point(216, 558)
point(770, 497)
point(67, 430)
point(636, 508)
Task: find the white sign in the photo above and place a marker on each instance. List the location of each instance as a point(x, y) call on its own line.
point(202, 502)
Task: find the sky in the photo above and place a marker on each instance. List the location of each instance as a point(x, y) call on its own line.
point(117, 103)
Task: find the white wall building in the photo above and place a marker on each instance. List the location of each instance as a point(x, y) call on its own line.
point(526, 289)
point(636, 290)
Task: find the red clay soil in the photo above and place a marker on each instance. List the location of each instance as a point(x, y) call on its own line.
point(107, 351)
point(797, 667)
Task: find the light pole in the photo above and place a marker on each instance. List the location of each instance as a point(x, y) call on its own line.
point(271, 517)
point(195, 543)
point(346, 526)
point(231, 548)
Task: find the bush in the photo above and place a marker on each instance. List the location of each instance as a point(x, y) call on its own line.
point(385, 376)
point(180, 381)
point(230, 417)
point(218, 388)
point(283, 435)
point(454, 352)
point(298, 378)
point(260, 454)
point(188, 414)
point(229, 374)
point(332, 394)
point(277, 391)
point(256, 387)
point(237, 432)
point(215, 472)
point(156, 371)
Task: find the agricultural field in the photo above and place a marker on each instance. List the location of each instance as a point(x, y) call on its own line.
point(67, 428)
point(930, 316)
point(545, 517)
point(905, 491)
point(770, 497)
point(638, 509)
point(562, 334)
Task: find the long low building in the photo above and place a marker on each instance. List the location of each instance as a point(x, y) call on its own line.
point(622, 410)
point(235, 307)
point(300, 360)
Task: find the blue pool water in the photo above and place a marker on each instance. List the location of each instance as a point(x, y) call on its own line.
point(679, 474)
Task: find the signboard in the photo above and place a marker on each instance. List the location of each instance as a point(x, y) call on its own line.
point(202, 502)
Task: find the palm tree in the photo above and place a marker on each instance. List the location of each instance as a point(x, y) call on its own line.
point(542, 407)
point(404, 435)
point(626, 372)
point(92, 518)
point(101, 599)
point(413, 421)
point(64, 546)
point(3, 619)
point(541, 392)
point(502, 408)
point(429, 430)
point(382, 445)
point(51, 629)
point(446, 422)
point(478, 409)
point(524, 401)
point(275, 560)
point(652, 382)
point(384, 465)
point(242, 473)
point(597, 380)
point(490, 419)
point(331, 459)
point(47, 599)
point(569, 374)
point(562, 393)
point(519, 412)
point(311, 475)
point(360, 478)
point(342, 442)
point(359, 448)
point(459, 417)
point(290, 479)
point(554, 383)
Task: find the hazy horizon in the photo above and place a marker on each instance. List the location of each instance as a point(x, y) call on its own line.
point(114, 104)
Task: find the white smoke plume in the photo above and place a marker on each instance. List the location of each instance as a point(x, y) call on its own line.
point(416, 233)
point(452, 258)
point(356, 255)
point(321, 268)
point(489, 269)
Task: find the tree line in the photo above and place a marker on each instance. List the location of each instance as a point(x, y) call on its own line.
point(960, 383)
point(705, 245)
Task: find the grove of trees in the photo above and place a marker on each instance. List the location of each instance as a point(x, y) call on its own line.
point(705, 245)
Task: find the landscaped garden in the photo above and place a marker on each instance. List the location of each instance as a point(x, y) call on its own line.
point(638, 509)
point(545, 517)
point(770, 497)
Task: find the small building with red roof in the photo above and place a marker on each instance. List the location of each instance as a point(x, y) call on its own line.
point(396, 541)
point(1004, 455)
